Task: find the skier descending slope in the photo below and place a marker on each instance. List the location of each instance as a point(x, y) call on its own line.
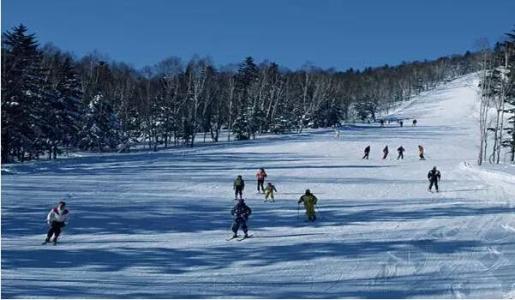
point(238, 186)
point(433, 176)
point(56, 219)
point(367, 152)
point(309, 201)
point(421, 152)
point(401, 152)
point(241, 213)
point(269, 191)
point(385, 152)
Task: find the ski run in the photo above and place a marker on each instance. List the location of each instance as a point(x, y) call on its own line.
point(155, 225)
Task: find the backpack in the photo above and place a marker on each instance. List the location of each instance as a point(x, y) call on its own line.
point(238, 182)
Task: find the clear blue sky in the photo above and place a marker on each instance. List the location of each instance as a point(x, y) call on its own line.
point(327, 33)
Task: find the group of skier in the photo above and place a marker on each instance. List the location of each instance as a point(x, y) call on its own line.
point(400, 151)
point(241, 211)
point(58, 216)
point(401, 123)
point(239, 186)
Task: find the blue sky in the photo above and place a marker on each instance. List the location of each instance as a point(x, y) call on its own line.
point(326, 33)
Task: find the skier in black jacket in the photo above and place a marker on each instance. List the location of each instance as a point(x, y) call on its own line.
point(241, 213)
point(385, 152)
point(367, 152)
point(401, 152)
point(238, 186)
point(433, 176)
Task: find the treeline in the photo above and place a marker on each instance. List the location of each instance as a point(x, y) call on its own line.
point(497, 105)
point(53, 102)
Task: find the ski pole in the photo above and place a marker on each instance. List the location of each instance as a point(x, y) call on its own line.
point(298, 208)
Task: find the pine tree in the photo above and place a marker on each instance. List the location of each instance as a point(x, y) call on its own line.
point(100, 129)
point(23, 96)
point(65, 107)
point(244, 124)
point(240, 127)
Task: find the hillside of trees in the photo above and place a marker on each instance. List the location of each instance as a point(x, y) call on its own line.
point(53, 102)
point(497, 102)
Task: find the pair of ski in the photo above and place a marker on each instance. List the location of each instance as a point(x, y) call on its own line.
point(238, 238)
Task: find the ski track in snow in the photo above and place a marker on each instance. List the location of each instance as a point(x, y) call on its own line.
point(153, 225)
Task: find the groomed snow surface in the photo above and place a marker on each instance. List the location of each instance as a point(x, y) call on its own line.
point(154, 225)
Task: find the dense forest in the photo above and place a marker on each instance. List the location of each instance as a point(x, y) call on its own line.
point(54, 102)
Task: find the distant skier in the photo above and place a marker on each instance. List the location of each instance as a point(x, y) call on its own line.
point(241, 213)
point(56, 219)
point(261, 175)
point(309, 201)
point(400, 150)
point(401, 123)
point(421, 152)
point(269, 191)
point(381, 122)
point(414, 122)
point(433, 176)
point(385, 152)
point(367, 152)
point(239, 185)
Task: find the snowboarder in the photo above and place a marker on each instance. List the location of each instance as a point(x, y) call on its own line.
point(239, 185)
point(261, 175)
point(309, 201)
point(241, 213)
point(401, 152)
point(367, 152)
point(421, 152)
point(56, 219)
point(433, 176)
point(269, 191)
point(385, 152)
point(414, 122)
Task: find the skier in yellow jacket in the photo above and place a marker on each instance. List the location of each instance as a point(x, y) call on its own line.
point(269, 191)
point(309, 201)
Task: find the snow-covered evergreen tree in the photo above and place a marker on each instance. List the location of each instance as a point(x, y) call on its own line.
point(24, 95)
point(100, 129)
point(65, 106)
point(240, 127)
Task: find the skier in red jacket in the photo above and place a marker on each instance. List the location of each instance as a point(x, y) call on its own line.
point(261, 175)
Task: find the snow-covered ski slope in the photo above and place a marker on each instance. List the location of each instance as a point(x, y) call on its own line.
point(155, 225)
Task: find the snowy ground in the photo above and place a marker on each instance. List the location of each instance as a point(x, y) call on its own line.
point(154, 225)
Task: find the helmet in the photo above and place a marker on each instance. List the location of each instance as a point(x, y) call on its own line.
point(308, 192)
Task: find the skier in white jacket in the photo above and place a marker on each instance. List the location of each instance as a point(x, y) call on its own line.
point(56, 219)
